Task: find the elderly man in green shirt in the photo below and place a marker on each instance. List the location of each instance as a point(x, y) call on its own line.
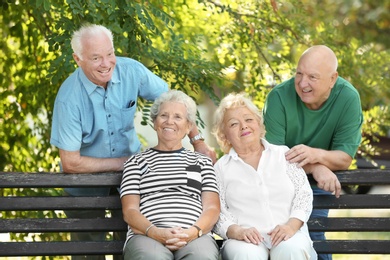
point(318, 115)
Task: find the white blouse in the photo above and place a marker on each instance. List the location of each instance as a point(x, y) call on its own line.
point(265, 198)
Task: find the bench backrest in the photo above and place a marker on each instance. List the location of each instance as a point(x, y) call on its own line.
point(61, 180)
point(59, 203)
point(366, 221)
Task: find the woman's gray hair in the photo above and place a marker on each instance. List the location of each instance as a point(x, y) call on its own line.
point(88, 30)
point(233, 100)
point(175, 96)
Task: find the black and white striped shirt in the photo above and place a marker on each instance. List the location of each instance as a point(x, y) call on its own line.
point(170, 184)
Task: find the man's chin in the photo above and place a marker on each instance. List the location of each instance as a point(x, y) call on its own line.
point(103, 80)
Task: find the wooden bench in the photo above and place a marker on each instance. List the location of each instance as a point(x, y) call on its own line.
point(59, 203)
point(49, 225)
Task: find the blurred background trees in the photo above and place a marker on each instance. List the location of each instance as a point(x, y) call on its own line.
point(205, 47)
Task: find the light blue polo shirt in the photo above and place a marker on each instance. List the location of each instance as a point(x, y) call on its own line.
point(100, 122)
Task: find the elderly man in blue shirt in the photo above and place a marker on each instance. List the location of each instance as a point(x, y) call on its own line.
point(93, 117)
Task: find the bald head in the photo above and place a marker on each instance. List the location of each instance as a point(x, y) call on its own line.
point(316, 75)
point(322, 55)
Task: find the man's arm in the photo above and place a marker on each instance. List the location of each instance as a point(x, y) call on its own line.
point(325, 178)
point(201, 147)
point(335, 160)
point(73, 162)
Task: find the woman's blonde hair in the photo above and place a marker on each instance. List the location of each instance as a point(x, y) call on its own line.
point(233, 100)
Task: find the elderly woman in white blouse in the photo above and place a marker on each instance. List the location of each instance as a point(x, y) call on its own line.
point(265, 200)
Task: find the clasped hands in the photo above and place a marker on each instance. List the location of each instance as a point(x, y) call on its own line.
point(174, 238)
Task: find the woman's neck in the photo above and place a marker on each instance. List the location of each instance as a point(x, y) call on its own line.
point(168, 146)
point(251, 155)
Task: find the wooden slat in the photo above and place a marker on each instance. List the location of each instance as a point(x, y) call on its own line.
point(353, 246)
point(350, 224)
point(61, 248)
point(348, 246)
point(355, 201)
point(62, 225)
point(364, 177)
point(352, 201)
point(58, 180)
point(112, 224)
point(115, 247)
point(59, 203)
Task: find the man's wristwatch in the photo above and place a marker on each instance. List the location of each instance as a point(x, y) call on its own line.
point(196, 138)
point(200, 233)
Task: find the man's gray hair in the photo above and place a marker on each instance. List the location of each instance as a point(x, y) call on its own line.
point(88, 30)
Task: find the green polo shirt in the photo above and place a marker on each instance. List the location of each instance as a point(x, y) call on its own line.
point(335, 126)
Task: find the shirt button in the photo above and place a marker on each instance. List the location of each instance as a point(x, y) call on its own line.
point(109, 115)
point(113, 150)
point(112, 133)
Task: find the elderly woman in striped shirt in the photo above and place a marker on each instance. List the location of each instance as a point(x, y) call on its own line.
point(169, 194)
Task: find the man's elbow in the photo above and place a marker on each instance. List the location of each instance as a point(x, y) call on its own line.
point(69, 168)
point(346, 162)
point(70, 161)
point(70, 165)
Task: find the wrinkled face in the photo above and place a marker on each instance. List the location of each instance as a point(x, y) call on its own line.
point(314, 81)
point(171, 123)
point(99, 59)
point(241, 127)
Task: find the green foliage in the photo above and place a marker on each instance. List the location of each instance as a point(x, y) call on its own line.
point(192, 44)
point(376, 124)
point(36, 58)
point(259, 42)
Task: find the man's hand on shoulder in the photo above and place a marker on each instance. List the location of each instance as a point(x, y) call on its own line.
point(303, 154)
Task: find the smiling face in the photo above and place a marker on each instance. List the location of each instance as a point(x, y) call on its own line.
point(315, 76)
point(241, 128)
point(98, 59)
point(171, 125)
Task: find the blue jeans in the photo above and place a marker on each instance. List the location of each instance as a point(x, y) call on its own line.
point(320, 213)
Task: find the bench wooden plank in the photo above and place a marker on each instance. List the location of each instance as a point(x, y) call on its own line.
point(348, 246)
point(348, 201)
point(58, 180)
point(62, 225)
point(113, 224)
point(352, 201)
point(350, 224)
point(353, 246)
point(54, 248)
point(364, 177)
point(59, 203)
